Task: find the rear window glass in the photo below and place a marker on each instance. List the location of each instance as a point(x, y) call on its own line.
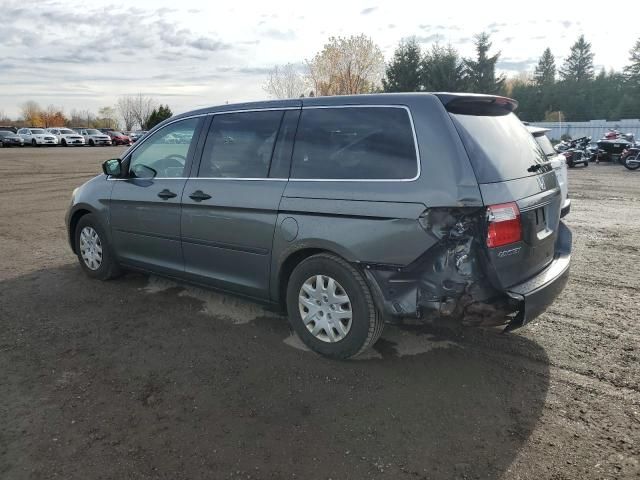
point(355, 143)
point(500, 147)
point(545, 145)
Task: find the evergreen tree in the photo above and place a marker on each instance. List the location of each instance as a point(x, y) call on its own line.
point(158, 115)
point(481, 72)
point(404, 72)
point(578, 66)
point(443, 70)
point(632, 71)
point(545, 72)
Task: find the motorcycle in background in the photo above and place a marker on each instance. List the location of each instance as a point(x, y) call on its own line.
point(630, 157)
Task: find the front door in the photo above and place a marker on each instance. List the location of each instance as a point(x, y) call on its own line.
point(145, 206)
point(230, 205)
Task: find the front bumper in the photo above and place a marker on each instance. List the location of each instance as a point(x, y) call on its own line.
point(566, 208)
point(537, 293)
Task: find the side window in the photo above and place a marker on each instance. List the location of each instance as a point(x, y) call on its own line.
point(240, 145)
point(164, 154)
point(355, 143)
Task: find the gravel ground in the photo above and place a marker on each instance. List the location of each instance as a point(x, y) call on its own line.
point(144, 378)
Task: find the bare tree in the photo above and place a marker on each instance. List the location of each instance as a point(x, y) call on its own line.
point(31, 113)
point(4, 118)
point(107, 117)
point(346, 66)
point(142, 106)
point(285, 81)
point(125, 109)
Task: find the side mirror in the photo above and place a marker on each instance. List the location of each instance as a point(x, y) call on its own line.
point(112, 167)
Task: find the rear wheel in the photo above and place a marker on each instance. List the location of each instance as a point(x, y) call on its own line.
point(636, 162)
point(94, 252)
point(331, 308)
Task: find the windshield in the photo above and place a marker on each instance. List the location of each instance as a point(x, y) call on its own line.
point(37, 130)
point(119, 134)
point(93, 131)
point(500, 147)
point(545, 145)
point(66, 131)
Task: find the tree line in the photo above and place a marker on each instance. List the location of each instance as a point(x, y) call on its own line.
point(130, 112)
point(574, 91)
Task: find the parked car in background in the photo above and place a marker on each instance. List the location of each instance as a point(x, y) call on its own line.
point(67, 137)
point(37, 137)
point(558, 162)
point(433, 208)
point(119, 138)
point(137, 135)
point(107, 130)
point(9, 128)
point(10, 139)
point(93, 137)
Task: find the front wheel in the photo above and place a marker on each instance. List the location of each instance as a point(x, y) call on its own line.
point(331, 307)
point(34, 143)
point(93, 249)
point(92, 143)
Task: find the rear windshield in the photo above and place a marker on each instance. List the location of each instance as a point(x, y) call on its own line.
point(545, 145)
point(500, 147)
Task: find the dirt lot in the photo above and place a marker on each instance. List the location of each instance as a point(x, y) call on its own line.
point(143, 378)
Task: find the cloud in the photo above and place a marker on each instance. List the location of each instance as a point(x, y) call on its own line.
point(368, 10)
point(516, 65)
point(435, 37)
point(279, 34)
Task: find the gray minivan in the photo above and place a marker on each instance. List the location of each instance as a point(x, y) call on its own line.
point(346, 212)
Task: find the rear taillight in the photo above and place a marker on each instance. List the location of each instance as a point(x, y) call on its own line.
point(503, 224)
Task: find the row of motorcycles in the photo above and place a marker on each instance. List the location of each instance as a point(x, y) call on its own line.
point(613, 146)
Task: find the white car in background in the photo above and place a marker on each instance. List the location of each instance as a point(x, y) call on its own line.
point(558, 162)
point(66, 136)
point(93, 137)
point(37, 136)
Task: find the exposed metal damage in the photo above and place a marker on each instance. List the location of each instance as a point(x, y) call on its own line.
point(447, 285)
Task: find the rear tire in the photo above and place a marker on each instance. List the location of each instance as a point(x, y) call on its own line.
point(633, 166)
point(93, 250)
point(349, 288)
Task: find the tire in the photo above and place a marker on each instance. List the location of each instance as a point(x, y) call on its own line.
point(106, 267)
point(64, 143)
point(634, 166)
point(92, 143)
point(366, 323)
point(586, 164)
point(34, 143)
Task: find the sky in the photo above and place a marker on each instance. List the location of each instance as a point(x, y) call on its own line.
point(190, 53)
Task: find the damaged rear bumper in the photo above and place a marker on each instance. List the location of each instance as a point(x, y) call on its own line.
point(537, 293)
point(448, 286)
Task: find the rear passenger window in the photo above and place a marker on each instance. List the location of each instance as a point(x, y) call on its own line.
point(372, 143)
point(240, 145)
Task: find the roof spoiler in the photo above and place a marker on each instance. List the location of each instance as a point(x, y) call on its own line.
point(474, 104)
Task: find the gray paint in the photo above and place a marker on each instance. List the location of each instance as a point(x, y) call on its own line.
point(240, 238)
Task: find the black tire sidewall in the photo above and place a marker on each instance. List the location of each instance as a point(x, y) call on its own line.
point(361, 320)
point(108, 266)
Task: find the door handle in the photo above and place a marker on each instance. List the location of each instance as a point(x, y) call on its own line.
point(199, 195)
point(166, 194)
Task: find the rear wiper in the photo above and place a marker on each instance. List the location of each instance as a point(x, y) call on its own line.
point(534, 168)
